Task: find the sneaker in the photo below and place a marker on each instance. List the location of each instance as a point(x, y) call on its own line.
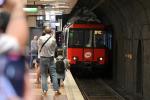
point(57, 92)
point(44, 92)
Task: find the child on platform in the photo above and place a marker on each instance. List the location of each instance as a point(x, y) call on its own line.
point(61, 65)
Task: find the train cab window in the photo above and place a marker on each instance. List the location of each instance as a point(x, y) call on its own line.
point(75, 38)
point(99, 38)
point(88, 38)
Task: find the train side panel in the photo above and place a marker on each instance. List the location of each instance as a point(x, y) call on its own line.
point(100, 56)
point(73, 53)
point(93, 56)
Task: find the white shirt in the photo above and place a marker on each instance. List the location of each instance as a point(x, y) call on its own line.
point(8, 43)
point(48, 49)
point(34, 45)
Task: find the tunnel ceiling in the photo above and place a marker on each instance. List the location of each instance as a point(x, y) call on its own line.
point(124, 15)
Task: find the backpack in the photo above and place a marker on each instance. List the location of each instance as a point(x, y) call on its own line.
point(60, 66)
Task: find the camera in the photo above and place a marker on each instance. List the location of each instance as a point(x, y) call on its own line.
point(13, 69)
point(2, 2)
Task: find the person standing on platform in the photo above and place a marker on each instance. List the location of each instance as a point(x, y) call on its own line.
point(47, 48)
point(62, 65)
point(34, 51)
point(37, 70)
point(37, 64)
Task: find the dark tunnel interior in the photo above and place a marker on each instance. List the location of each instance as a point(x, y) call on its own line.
point(130, 21)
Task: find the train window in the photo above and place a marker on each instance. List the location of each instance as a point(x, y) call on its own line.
point(99, 38)
point(88, 38)
point(85, 37)
point(65, 37)
point(109, 39)
point(75, 38)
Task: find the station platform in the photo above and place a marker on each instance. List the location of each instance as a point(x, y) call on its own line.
point(70, 91)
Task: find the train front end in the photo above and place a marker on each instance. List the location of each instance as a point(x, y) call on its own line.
point(86, 45)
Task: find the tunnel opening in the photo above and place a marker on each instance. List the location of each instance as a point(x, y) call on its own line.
point(139, 72)
point(90, 36)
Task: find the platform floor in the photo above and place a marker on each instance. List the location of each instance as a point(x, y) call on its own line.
point(70, 91)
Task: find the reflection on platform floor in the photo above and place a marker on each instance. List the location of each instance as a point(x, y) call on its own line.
point(70, 90)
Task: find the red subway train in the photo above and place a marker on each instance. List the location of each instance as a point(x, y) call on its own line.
point(87, 44)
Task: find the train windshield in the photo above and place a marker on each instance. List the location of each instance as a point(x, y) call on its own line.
point(75, 38)
point(84, 38)
point(88, 38)
point(99, 38)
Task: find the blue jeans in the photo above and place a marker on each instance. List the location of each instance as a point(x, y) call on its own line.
point(31, 60)
point(48, 64)
point(34, 55)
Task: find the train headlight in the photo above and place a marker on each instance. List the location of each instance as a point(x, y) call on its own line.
point(100, 58)
point(75, 58)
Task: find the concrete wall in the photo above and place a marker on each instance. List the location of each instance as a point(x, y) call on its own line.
point(130, 20)
point(31, 21)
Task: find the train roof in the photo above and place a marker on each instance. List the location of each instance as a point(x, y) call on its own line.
point(89, 26)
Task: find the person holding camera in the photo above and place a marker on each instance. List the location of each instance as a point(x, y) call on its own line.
point(34, 51)
point(12, 43)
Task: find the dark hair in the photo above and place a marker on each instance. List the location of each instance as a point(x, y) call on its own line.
point(59, 51)
point(4, 20)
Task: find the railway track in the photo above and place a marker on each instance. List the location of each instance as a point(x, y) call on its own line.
point(96, 89)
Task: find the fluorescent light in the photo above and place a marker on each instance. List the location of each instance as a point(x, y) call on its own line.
point(31, 10)
point(47, 15)
point(57, 24)
point(55, 12)
point(58, 6)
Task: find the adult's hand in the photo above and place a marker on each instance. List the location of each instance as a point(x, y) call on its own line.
point(9, 5)
point(17, 26)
